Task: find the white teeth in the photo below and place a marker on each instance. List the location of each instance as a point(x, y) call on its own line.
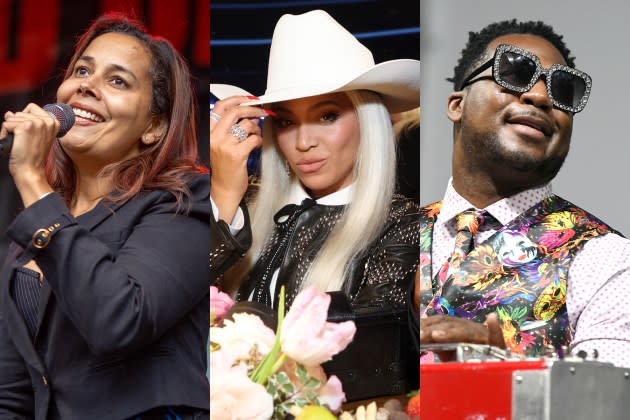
point(87, 115)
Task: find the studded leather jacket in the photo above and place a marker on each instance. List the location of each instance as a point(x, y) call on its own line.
point(226, 249)
point(374, 296)
point(379, 277)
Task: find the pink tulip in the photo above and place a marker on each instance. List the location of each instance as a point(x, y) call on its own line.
point(331, 394)
point(220, 303)
point(306, 337)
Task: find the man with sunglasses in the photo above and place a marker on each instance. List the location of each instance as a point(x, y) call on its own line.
point(517, 92)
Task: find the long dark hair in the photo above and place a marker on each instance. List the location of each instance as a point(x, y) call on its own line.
point(167, 164)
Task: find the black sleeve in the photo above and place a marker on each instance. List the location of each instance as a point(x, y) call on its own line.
point(225, 248)
point(413, 315)
point(392, 260)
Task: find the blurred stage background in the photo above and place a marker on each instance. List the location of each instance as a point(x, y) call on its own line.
point(36, 43)
point(241, 31)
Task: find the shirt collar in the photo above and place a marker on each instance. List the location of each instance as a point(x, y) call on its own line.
point(504, 210)
point(338, 198)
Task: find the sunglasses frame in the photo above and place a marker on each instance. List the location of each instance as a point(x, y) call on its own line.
point(495, 62)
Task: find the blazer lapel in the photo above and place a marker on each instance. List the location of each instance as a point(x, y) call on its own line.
point(101, 212)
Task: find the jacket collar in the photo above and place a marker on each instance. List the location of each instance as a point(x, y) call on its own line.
point(103, 210)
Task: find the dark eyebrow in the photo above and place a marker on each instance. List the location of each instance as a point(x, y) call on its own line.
point(324, 104)
point(279, 108)
point(110, 67)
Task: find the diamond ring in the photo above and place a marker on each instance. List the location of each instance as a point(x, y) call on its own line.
point(239, 132)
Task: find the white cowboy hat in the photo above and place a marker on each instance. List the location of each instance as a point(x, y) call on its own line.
point(312, 54)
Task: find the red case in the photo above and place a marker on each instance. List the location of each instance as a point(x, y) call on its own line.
point(470, 391)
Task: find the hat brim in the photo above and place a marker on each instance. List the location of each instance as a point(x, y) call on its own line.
point(222, 91)
point(397, 82)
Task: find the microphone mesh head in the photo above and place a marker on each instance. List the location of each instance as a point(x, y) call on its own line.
point(62, 113)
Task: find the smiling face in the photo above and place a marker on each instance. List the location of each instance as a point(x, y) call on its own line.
point(517, 137)
point(514, 248)
point(110, 90)
point(319, 138)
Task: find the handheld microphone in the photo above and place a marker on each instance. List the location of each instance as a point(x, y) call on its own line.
point(61, 112)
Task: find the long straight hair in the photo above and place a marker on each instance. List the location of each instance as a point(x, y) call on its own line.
point(362, 220)
point(168, 163)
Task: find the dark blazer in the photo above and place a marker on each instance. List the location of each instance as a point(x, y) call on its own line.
point(123, 313)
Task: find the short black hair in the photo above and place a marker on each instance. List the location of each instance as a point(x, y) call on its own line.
point(474, 52)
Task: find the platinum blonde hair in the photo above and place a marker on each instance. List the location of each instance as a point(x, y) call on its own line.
point(363, 219)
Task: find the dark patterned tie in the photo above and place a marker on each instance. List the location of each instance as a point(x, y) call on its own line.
point(467, 224)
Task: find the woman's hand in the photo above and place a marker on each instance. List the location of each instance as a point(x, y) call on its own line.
point(228, 154)
point(33, 130)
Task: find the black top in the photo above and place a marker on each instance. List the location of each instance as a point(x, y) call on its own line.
point(25, 291)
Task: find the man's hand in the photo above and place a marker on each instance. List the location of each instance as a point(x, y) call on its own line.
point(449, 329)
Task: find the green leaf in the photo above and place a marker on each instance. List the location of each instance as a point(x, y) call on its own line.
point(502, 314)
point(301, 372)
point(272, 389)
point(312, 383)
point(282, 378)
point(311, 396)
point(519, 313)
point(288, 388)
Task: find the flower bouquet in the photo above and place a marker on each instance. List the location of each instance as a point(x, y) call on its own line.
point(258, 374)
point(393, 409)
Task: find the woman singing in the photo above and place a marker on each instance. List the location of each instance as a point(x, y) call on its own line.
point(104, 296)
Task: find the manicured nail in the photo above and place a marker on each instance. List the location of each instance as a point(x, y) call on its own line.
point(269, 112)
point(439, 334)
point(253, 97)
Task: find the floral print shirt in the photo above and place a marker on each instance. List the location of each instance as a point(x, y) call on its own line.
point(596, 278)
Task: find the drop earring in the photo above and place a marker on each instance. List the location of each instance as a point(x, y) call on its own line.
point(287, 169)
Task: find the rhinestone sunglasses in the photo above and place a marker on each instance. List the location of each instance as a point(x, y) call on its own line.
point(518, 70)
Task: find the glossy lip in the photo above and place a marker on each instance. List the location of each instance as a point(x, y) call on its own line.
point(537, 123)
point(310, 165)
point(88, 109)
